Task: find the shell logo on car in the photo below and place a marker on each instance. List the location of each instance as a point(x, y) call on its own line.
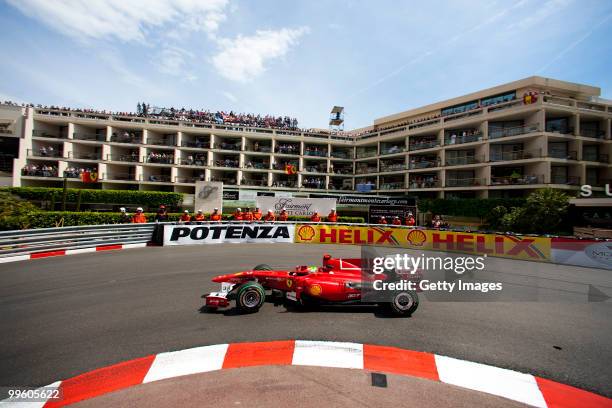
point(315, 290)
point(306, 232)
point(416, 237)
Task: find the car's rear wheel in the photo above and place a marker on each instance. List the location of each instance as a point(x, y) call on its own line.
point(262, 267)
point(403, 303)
point(250, 297)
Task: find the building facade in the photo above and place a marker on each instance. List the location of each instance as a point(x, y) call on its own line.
point(500, 142)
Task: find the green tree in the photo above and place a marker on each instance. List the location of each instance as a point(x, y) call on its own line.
point(543, 213)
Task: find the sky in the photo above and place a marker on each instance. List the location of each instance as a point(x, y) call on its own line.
point(295, 58)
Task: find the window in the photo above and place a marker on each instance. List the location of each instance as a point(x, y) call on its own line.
point(493, 100)
point(460, 108)
point(558, 125)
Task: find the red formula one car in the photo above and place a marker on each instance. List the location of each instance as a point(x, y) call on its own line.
point(337, 281)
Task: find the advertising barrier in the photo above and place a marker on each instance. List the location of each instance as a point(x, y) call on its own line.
point(506, 246)
point(297, 206)
point(587, 253)
point(227, 233)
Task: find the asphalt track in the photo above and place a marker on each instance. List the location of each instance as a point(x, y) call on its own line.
point(65, 316)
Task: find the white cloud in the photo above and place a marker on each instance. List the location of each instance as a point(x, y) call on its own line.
point(173, 61)
point(125, 20)
point(244, 58)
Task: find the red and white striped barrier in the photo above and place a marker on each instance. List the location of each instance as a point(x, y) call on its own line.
point(63, 252)
point(513, 385)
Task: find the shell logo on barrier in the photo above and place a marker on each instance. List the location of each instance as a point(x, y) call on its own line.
point(315, 290)
point(416, 237)
point(306, 233)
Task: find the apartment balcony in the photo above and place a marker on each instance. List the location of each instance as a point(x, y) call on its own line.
point(257, 166)
point(423, 164)
point(236, 147)
point(118, 177)
point(158, 159)
point(515, 155)
point(513, 131)
point(314, 185)
point(367, 153)
point(461, 139)
point(565, 155)
point(198, 161)
point(130, 138)
point(188, 180)
point(47, 134)
point(392, 150)
point(366, 170)
point(158, 178)
point(230, 164)
point(127, 158)
point(89, 137)
point(465, 182)
point(195, 145)
point(315, 153)
point(392, 167)
point(84, 156)
point(39, 171)
point(392, 186)
point(424, 145)
point(569, 180)
point(424, 183)
point(44, 153)
point(284, 183)
point(601, 158)
point(293, 151)
point(342, 155)
point(347, 171)
point(254, 183)
point(161, 142)
point(517, 180)
point(593, 133)
point(315, 169)
point(464, 160)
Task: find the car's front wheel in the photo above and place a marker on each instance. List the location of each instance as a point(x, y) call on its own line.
point(250, 296)
point(403, 303)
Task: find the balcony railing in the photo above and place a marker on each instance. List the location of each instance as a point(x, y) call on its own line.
point(366, 170)
point(465, 182)
point(188, 180)
point(570, 180)
point(232, 164)
point(341, 155)
point(495, 133)
point(424, 145)
point(515, 155)
point(563, 154)
point(366, 153)
point(423, 164)
point(315, 153)
point(47, 133)
point(44, 153)
point(158, 159)
point(30, 172)
point(392, 150)
point(392, 186)
point(260, 149)
point(253, 182)
point(161, 142)
point(158, 178)
point(84, 156)
point(392, 167)
point(132, 139)
point(236, 147)
point(129, 158)
point(284, 183)
point(295, 151)
point(601, 157)
point(197, 161)
point(341, 170)
point(257, 166)
point(197, 144)
point(593, 133)
point(92, 137)
point(313, 184)
point(119, 176)
point(424, 183)
point(517, 179)
point(463, 160)
point(460, 138)
point(315, 169)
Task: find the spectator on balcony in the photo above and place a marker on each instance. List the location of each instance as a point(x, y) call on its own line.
point(283, 216)
point(248, 215)
point(43, 151)
point(185, 217)
point(124, 217)
point(216, 215)
point(410, 220)
point(257, 214)
point(238, 215)
point(315, 217)
point(199, 216)
point(139, 217)
point(270, 216)
point(162, 214)
point(332, 216)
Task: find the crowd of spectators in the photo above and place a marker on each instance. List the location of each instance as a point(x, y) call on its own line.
point(39, 170)
point(229, 145)
point(313, 182)
point(423, 162)
point(319, 151)
point(126, 137)
point(425, 181)
point(74, 172)
point(287, 148)
point(160, 158)
point(227, 162)
point(48, 151)
point(423, 143)
point(463, 136)
point(198, 160)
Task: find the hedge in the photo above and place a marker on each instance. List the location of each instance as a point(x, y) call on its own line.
point(51, 219)
point(148, 198)
point(467, 207)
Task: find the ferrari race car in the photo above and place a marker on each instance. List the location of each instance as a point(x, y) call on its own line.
point(337, 281)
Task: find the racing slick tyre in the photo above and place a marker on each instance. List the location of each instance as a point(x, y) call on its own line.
point(403, 303)
point(262, 267)
point(250, 296)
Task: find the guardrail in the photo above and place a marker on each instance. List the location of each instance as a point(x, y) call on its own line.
point(23, 242)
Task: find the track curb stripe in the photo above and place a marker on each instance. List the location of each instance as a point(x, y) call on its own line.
point(63, 252)
point(509, 384)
